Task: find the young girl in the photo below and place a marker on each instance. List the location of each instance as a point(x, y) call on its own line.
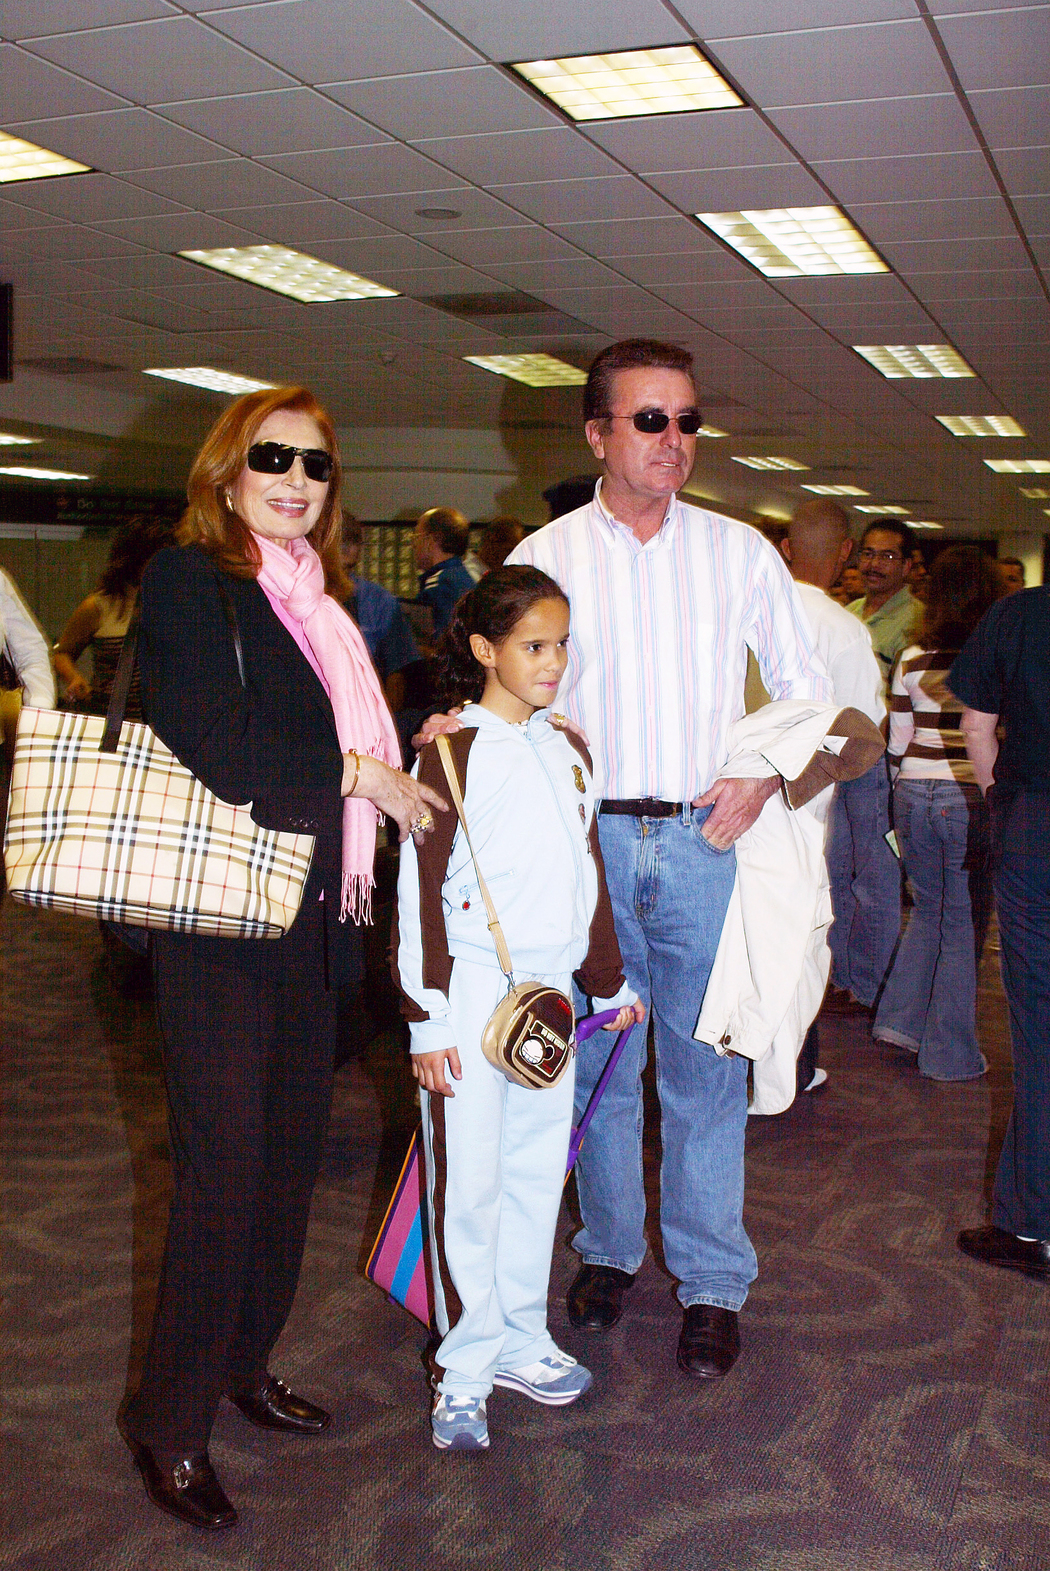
point(495, 1151)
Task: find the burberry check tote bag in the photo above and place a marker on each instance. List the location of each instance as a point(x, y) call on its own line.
point(104, 821)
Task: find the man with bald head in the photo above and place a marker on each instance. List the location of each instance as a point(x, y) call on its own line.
point(864, 874)
point(817, 545)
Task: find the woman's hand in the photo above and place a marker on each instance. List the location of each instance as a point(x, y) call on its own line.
point(436, 725)
point(393, 792)
point(429, 1070)
point(78, 688)
point(630, 1014)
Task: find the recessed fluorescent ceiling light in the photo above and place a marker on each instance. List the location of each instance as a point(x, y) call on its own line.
point(711, 430)
point(287, 272)
point(886, 511)
point(796, 242)
point(1019, 466)
point(770, 463)
point(1037, 493)
point(43, 474)
point(981, 425)
point(204, 376)
point(25, 161)
point(835, 490)
point(533, 370)
point(925, 360)
point(632, 82)
point(918, 523)
point(6, 440)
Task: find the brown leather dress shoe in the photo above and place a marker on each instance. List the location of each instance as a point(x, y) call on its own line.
point(993, 1246)
point(184, 1486)
point(272, 1405)
point(710, 1341)
point(595, 1299)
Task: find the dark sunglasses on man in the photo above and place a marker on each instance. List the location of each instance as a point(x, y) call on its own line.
point(652, 421)
point(276, 458)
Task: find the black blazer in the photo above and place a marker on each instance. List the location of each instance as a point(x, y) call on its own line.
point(271, 741)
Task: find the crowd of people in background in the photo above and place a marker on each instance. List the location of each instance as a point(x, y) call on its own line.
point(640, 613)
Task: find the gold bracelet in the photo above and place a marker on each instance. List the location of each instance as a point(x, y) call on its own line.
point(357, 771)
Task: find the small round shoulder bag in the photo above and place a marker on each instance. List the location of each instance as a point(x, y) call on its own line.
point(530, 1035)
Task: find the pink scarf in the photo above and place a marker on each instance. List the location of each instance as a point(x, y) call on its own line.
point(363, 722)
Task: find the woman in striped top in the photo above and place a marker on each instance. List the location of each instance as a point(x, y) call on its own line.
point(929, 1003)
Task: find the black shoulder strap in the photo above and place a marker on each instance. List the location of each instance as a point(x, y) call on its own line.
point(118, 697)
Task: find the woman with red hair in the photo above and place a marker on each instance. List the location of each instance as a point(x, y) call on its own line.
point(259, 682)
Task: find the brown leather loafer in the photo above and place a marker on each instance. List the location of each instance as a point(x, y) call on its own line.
point(710, 1342)
point(184, 1486)
point(595, 1299)
point(993, 1246)
point(273, 1406)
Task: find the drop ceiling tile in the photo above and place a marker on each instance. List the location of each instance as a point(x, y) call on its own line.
point(1034, 213)
point(300, 224)
point(291, 120)
point(384, 252)
point(14, 217)
point(870, 325)
point(119, 140)
point(886, 222)
point(425, 283)
point(720, 139)
point(580, 273)
point(637, 236)
point(180, 232)
point(144, 272)
point(1013, 116)
point(983, 285)
point(466, 102)
point(320, 41)
point(546, 29)
point(73, 243)
point(836, 65)
point(886, 127)
point(235, 182)
point(741, 18)
point(913, 179)
point(31, 89)
point(572, 201)
point(88, 199)
point(42, 18)
point(1026, 172)
point(482, 247)
point(157, 62)
point(732, 190)
point(559, 153)
point(1007, 48)
point(718, 266)
point(476, 209)
point(362, 172)
point(880, 289)
point(962, 255)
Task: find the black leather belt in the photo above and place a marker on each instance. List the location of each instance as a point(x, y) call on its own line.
point(641, 807)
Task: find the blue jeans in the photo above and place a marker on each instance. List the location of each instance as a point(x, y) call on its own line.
point(1021, 851)
point(930, 1000)
point(669, 891)
point(865, 885)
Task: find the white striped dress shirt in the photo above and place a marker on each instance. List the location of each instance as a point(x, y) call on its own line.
point(659, 637)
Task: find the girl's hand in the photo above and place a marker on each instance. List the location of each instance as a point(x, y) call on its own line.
point(393, 792)
point(429, 1070)
point(78, 688)
point(630, 1014)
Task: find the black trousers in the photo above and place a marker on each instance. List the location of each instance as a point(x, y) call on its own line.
point(248, 1068)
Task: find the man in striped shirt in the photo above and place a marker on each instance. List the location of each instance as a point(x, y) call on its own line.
point(666, 600)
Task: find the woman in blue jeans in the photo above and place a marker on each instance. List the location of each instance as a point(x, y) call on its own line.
point(929, 1003)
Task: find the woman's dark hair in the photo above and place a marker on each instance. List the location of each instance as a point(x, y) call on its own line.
point(133, 544)
point(963, 583)
point(493, 608)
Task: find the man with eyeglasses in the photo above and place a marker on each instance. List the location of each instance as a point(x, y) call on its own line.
point(864, 873)
point(666, 600)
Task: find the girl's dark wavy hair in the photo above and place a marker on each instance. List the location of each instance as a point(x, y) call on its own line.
point(963, 583)
point(493, 608)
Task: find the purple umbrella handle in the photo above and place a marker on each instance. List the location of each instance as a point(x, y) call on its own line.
point(584, 1029)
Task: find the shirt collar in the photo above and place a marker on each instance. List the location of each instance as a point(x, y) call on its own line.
point(612, 529)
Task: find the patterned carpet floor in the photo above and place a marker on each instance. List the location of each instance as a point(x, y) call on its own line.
point(889, 1412)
